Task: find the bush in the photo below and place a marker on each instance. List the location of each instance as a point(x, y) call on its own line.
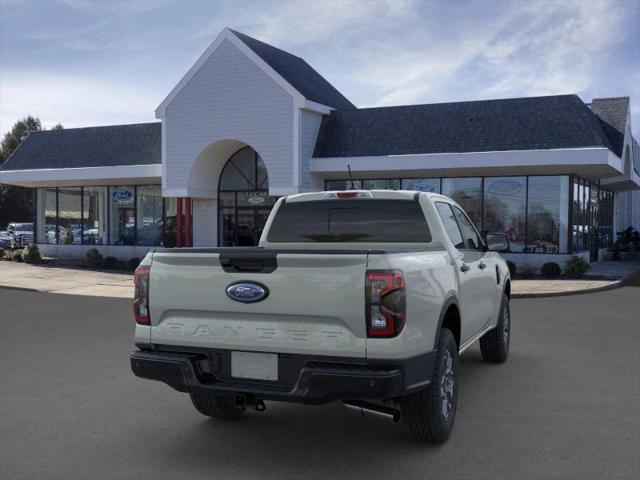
point(512, 268)
point(31, 254)
point(551, 270)
point(576, 267)
point(1, 252)
point(527, 271)
point(16, 256)
point(93, 259)
point(110, 263)
point(133, 263)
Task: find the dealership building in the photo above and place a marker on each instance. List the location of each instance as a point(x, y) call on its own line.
point(249, 123)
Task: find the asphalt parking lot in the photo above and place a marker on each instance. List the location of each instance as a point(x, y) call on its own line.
point(565, 405)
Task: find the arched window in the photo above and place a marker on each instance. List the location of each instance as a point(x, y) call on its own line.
point(243, 199)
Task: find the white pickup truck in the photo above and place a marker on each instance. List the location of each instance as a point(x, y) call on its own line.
point(365, 297)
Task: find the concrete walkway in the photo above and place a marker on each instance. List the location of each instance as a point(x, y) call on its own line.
point(79, 281)
point(72, 281)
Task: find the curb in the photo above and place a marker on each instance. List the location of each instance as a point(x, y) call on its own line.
point(24, 289)
point(612, 286)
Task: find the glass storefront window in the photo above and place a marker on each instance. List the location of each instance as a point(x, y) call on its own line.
point(94, 215)
point(331, 185)
point(381, 184)
point(122, 221)
point(70, 216)
point(46, 215)
point(243, 199)
point(169, 237)
point(422, 184)
point(468, 193)
point(547, 214)
point(505, 203)
point(149, 214)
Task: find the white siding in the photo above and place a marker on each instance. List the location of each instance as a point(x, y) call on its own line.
point(309, 127)
point(229, 97)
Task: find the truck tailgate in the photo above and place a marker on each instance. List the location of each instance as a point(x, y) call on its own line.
point(315, 302)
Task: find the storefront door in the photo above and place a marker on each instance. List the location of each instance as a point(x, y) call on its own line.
point(243, 200)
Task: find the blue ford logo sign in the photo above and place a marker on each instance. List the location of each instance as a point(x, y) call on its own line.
point(122, 194)
point(506, 187)
point(247, 292)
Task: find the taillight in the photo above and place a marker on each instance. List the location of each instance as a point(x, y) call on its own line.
point(348, 194)
point(385, 303)
point(141, 295)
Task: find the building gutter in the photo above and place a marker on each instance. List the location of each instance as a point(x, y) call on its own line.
point(57, 177)
point(599, 160)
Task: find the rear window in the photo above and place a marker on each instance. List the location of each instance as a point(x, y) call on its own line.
point(355, 220)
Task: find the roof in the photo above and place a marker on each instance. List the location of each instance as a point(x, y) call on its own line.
point(534, 123)
point(109, 146)
point(612, 113)
point(298, 73)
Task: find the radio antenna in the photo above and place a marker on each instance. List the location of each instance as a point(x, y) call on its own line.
point(353, 185)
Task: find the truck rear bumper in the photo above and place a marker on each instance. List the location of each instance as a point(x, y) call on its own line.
point(317, 382)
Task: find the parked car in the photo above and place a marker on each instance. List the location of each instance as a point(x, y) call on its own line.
point(5, 239)
point(19, 234)
point(365, 297)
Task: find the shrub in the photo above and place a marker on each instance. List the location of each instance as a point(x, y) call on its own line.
point(512, 268)
point(31, 254)
point(527, 271)
point(576, 267)
point(1, 252)
point(133, 263)
point(93, 259)
point(110, 263)
point(551, 270)
point(16, 256)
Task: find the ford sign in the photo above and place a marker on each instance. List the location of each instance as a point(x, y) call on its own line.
point(247, 292)
point(506, 187)
point(122, 194)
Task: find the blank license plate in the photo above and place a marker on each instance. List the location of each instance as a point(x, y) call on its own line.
point(258, 366)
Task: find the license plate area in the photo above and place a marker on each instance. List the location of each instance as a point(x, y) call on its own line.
point(254, 366)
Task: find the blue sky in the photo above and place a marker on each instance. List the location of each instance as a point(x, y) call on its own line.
point(82, 62)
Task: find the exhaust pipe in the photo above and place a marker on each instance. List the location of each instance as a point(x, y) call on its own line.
point(380, 411)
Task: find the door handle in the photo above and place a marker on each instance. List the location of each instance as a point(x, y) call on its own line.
point(482, 265)
point(465, 267)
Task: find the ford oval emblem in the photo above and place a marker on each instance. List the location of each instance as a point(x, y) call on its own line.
point(247, 292)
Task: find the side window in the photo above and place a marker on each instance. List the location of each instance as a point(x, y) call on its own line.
point(469, 234)
point(450, 224)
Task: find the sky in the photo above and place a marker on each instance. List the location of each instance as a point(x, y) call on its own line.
point(85, 63)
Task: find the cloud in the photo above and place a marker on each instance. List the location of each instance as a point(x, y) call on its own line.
point(297, 22)
point(72, 100)
point(376, 52)
point(533, 48)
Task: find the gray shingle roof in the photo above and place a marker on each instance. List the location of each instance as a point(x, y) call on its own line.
point(298, 73)
point(533, 123)
point(109, 146)
point(612, 113)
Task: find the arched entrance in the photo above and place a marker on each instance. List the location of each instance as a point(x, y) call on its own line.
point(243, 199)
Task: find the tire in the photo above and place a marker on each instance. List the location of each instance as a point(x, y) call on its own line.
point(429, 418)
point(494, 345)
point(216, 406)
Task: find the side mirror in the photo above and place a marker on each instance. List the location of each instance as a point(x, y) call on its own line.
point(497, 242)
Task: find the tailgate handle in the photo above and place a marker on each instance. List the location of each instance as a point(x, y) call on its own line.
point(249, 264)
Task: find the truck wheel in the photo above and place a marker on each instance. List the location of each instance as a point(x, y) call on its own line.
point(430, 413)
point(216, 406)
point(494, 345)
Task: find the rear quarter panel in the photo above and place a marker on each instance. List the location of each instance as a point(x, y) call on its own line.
point(430, 280)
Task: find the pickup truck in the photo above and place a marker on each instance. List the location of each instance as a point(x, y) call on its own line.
point(365, 297)
point(19, 234)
